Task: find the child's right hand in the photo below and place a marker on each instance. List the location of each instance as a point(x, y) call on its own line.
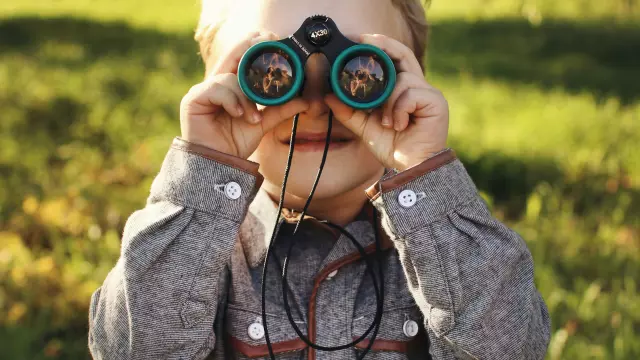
point(216, 114)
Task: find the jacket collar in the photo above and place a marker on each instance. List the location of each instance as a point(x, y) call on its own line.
point(257, 228)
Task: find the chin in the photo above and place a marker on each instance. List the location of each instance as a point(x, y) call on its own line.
point(330, 184)
point(333, 182)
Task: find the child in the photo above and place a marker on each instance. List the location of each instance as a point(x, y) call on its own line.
point(458, 284)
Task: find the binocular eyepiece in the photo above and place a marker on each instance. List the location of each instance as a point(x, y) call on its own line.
point(272, 72)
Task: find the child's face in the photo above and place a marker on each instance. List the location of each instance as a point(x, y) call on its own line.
point(350, 166)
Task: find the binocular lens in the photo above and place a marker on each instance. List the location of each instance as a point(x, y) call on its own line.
point(271, 74)
point(362, 79)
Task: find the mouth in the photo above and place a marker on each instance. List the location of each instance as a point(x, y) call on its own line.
point(308, 137)
point(316, 141)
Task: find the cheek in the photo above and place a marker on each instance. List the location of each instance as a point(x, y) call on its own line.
point(264, 150)
point(365, 162)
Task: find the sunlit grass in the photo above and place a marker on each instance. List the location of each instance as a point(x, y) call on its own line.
point(166, 15)
point(536, 11)
point(89, 107)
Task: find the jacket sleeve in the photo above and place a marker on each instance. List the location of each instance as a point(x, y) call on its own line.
point(471, 276)
point(160, 299)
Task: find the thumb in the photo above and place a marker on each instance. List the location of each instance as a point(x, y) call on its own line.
point(274, 115)
point(352, 119)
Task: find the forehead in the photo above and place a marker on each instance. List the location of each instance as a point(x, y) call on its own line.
point(284, 17)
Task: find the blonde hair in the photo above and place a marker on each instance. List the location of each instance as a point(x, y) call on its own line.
point(413, 11)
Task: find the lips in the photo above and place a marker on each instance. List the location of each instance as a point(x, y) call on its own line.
point(306, 138)
point(305, 141)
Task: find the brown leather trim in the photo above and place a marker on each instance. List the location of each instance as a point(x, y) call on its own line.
point(410, 174)
point(383, 345)
point(259, 351)
point(241, 164)
point(322, 275)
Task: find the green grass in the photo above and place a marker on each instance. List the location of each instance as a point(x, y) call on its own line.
point(537, 11)
point(163, 15)
point(544, 112)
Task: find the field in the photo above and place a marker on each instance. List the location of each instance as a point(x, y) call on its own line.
point(545, 113)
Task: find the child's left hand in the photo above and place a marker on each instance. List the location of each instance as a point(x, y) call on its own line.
point(413, 123)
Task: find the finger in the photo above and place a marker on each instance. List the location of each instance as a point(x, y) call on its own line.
point(251, 113)
point(340, 110)
point(406, 80)
point(355, 37)
point(274, 115)
point(213, 94)
point(414, 102)
point(403, 56)
point(355, 120)
point(228, 63)
point(403, 109)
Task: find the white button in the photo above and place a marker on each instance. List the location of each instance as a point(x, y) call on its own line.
point(232, 190)
point(256, 331)
point(410, 328)
point(332, 274)
point(407, 198)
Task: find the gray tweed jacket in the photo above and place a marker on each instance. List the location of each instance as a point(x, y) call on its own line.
point(458, 283)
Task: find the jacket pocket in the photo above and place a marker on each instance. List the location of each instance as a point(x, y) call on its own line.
point(245, 335)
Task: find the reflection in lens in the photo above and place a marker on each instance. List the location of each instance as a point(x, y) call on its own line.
point(270, 74)
point(362, 78)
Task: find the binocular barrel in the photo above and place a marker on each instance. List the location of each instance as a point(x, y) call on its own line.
point(272, 72)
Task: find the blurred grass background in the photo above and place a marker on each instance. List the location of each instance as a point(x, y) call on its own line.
point(545, 112)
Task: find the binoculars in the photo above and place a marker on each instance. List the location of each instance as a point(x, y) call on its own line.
point(272, 72)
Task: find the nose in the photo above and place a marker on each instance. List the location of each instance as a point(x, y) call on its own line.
point(316, 85)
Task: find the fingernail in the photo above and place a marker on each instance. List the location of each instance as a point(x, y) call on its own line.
point(385, 121)
point(240, 110)
point(398, 127)
point(257, 117)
